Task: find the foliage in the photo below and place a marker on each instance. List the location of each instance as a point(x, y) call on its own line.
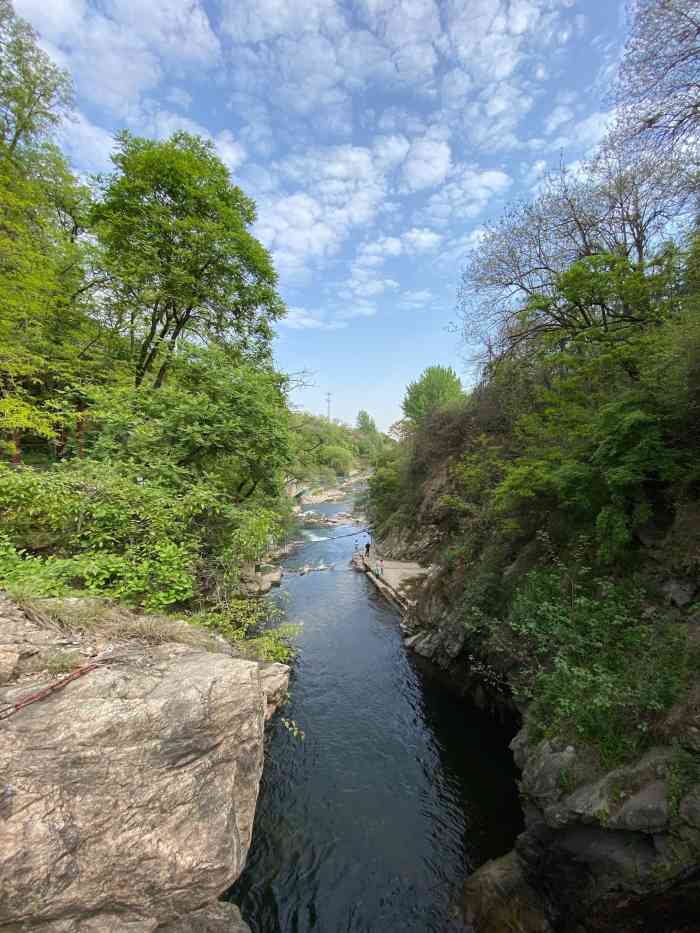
point(34, 92)
point(178, 252)
point(323, 449)
point(250, 626)
point(596, 671)
point(682, 775)
point(438, 385)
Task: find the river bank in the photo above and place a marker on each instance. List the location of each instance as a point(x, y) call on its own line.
point(606, 847)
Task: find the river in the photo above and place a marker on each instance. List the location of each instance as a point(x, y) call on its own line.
point(396, 792)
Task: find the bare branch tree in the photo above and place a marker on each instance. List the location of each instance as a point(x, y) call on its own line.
point(659, 89)
point(615, 204)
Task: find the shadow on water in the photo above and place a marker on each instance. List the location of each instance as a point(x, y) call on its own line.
point(396, 793)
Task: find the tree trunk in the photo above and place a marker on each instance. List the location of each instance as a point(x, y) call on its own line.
point(179, 327)
point(80, 436)
point(17, 451)
point(61, 443)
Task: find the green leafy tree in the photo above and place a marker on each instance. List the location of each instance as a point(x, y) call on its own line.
point(437, 386)
point(34, 92)
point(179, 253)
point(365, 423)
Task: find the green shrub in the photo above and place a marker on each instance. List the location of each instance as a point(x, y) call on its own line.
point(597, 670)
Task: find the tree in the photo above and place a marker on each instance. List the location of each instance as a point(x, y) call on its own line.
point(34, 92)
point(42, 253)
point(437, 386)
point(365, 424)
point(181, 259)
point(226, 422)
point(659, 88)
point(615, 205)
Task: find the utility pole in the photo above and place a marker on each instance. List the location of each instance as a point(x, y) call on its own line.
point(328, 404)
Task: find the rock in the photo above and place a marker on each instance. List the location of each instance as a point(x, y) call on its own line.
point(9, 658)
point(497, 898)
point(542, 769)
point(220, 917)
point(260, 583)
point(274, 681)
point(646, 811)
point(689, 809)
point(679, 592)
point(129, 795)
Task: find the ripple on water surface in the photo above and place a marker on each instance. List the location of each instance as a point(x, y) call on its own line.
point(397, 791)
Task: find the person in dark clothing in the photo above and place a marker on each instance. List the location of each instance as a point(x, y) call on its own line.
point(367, 546)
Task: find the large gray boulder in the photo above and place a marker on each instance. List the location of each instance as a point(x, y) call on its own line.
point(127, 797)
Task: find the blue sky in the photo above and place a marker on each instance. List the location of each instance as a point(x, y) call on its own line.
point(376, 137)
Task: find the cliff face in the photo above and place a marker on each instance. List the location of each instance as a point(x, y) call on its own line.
point(126, 797)
point(603, 850)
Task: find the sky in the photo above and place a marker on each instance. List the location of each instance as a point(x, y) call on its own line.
point(376, 137)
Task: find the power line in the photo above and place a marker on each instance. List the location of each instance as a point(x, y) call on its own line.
point(361, 531)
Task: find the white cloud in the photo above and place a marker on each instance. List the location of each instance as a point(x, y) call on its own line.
point(53, 20)
point(456, 85)
point(300, 319)
point(591, 129)
point(522, 16)
point(261, 20)
point(466, 193)
point(230, 150)
point(294, 228)
point(421, 240)
point(416, 300)
point(177, 28)
point(409, 29)
point(377, 251)
point(390, 151)
point(358, 308)
point(398, 119)
point(533, 175)
point(427, 162)
point(557, 117)
point(88, 146)
point(492, 119)
point(162, 123)
point(338, 189)
point(120, 51)
point(479, 36)
point(179, 97)
point(369, 288)
point(455, 250)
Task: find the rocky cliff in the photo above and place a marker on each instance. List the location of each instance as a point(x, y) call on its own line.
point(127, 796)
point(603, 850)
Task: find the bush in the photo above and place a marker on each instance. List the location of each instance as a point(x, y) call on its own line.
point(597, 671)
point(102, 529)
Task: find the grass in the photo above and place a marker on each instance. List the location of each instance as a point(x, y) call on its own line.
point(110, 621)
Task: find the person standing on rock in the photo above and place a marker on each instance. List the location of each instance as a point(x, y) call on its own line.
point(367, 546)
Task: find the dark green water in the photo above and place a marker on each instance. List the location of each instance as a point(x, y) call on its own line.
point(396, 793)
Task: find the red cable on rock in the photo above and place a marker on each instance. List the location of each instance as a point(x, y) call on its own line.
point(8, 711)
